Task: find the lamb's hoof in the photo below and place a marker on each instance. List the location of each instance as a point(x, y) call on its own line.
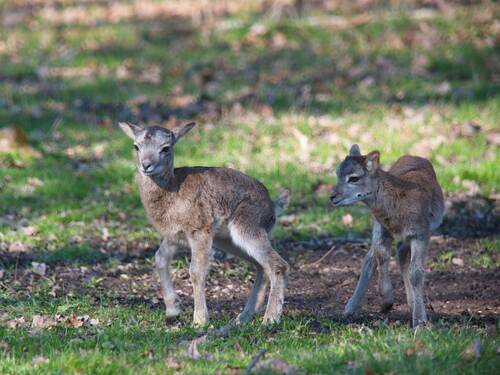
point(417, 325)
point(270, 320)
point(200, 322)
point(351, 316)
point(172, 312)
point(386, 307)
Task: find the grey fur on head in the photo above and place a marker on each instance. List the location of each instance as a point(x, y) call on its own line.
point(355, 151)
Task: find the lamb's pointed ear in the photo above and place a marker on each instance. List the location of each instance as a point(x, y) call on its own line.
point(354, 151)
point(130, 129)
point(181, 130)
point(372, 161)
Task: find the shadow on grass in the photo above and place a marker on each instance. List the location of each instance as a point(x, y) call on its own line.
point(314, 72)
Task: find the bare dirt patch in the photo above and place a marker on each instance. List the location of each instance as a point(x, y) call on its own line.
point(455, 293)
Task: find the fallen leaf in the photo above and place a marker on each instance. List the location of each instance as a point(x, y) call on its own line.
point(39, 360)
point(28, 231)
point(105, 234)
point(99, 149)
point(75, 321)
point(42, 322)
point(39, 268)
point(172, 362)
point(471, 186)
point(34, 181)
point(426, 146)
point(347, 219)
point(470, 129)
point(192, 351)
point(277, 366)
point(237, 347)
point(474, 350)
point(287, 220)
point(458, 262)
point(18, 247)
point(94, 322)
point(419, 348)
point(13, 139)
point(493, 137)
point(17, 322)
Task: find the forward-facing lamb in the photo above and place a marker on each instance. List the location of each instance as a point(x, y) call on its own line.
point(407, 205)
point(204, 207)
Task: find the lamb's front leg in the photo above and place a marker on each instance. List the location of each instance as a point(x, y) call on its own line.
point(201, 245)
point(417, 275)
point(163, 257)
point(353, 306)
point(381, 242)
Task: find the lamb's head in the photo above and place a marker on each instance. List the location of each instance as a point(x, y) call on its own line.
point(154, 147)
point(356, 177)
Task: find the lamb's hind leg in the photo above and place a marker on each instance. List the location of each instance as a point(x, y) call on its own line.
point(404, 253)
point(383, 255)
point(255, 243)
point(163, 257)
point(417, 276)
point(257, 296)
point(201, 245)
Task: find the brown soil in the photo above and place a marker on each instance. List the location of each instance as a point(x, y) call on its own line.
point(455, 293)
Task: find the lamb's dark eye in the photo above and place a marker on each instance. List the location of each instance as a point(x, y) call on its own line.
point(136, 148)
point(353, 179)
point(165, 149)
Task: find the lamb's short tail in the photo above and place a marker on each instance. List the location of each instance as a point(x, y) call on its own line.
point(281, 202)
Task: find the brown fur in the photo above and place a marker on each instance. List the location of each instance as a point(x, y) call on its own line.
point(407, 204)
point(197, 197)
point(409, 199)
point(202, 207)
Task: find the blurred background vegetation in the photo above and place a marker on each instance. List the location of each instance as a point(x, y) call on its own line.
point(280, 90)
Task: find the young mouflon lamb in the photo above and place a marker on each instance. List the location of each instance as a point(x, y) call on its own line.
point(204, 207)
point(407, 204)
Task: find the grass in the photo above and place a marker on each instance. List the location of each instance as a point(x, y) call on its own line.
point(135, 340)
point(280, 98)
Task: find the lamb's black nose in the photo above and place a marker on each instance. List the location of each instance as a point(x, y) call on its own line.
point(147, 166)
point(333, 196)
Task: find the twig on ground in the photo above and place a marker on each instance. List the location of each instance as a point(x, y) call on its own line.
point(316, 244)
point(256, 358)
point(315, 263)
point(210, 334)
point(15, 270)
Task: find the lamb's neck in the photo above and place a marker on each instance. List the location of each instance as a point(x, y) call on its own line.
point(386, 195)
point(158, 185)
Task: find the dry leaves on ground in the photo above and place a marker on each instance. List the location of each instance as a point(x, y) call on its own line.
point(39, 360)
point(193, 352)
point(39, 268)
point(474, 350)
point(277, 366)
point(42, 322)
point(418, 349)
